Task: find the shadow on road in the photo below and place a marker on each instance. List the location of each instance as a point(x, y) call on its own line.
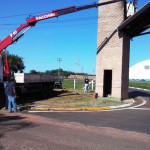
point(12, 123)
point(136, 93)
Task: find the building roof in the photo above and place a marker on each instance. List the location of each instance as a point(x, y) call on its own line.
point(140, 70)
point(137, 23)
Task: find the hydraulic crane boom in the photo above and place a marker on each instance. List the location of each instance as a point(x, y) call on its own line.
point(12, 37)
point(55, 13)
point(67, 10)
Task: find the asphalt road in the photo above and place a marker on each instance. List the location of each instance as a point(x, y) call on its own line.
point(142, 93)
point(126, 119)
point(125, 129)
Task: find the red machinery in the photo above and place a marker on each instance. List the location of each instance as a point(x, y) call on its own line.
point(12, 37)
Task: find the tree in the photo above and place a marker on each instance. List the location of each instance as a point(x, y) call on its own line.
point(61, 71)
point(48, 72)
point(55, 72)
point(16, 63)
point(33, 72)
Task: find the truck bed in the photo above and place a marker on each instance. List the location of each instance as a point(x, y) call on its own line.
point(35, 78)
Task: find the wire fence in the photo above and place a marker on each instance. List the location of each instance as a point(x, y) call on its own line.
point(77, 84)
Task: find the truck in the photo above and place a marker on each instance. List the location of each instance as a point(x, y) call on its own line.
point(28, 83)
point(33, 83)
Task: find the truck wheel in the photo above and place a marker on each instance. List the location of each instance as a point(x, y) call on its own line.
point(50, 89)
point(2, 96)
point(45, 93)
point(60, 85)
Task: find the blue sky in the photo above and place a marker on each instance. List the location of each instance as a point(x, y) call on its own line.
point(72, 37)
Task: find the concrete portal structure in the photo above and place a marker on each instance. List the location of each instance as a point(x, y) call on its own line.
point(112, 52)
point(113, 46)
point(137, 23)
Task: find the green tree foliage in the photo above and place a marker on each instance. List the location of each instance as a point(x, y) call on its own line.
point(16, 63)
point(33, 72)
point(61, 72)
point(55, 72)
point(48, 72)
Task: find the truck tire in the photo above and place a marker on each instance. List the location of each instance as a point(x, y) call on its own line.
point(45, 92)
point(51, 87)
point(2, 95)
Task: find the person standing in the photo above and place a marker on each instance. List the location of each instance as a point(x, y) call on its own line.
point(86, 86)
point(5, 89)
point(11, 92)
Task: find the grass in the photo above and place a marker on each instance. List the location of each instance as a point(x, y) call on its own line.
point(143, 85)
point(69, 84)
point(68, 97)
point(75, 98)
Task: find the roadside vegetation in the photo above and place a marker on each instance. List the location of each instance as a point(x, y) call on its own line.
point(143, 85)
point(69, 97)
point(79, 84)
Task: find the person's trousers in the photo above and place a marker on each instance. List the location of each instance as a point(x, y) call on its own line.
point(11, 100)
point(86, 88)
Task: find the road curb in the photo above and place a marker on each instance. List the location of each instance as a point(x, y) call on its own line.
point(70, 109)
point(81, 109)
point(122, 106)
point(139, 88)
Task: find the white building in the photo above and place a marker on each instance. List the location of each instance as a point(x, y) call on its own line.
point(140, 71)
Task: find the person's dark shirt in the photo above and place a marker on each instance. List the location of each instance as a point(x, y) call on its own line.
point(10, 87)
point(86, 81)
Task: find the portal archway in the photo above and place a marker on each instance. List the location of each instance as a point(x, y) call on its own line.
point(113, 45)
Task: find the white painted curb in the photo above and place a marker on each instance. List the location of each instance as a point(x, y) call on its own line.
point(122, 106)
point(139, 89)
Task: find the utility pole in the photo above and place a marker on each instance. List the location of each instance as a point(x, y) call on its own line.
point(94, 71)
point(77, 63)
point(59, 60)
point(82, 69)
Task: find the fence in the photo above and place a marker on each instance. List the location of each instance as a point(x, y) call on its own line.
point(77, 84)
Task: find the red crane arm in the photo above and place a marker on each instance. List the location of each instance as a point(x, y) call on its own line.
point(67, 10)
point(6, 67)
point(10, 38)
point(55, 13)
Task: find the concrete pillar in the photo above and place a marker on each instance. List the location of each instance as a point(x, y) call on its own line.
point(112, 52)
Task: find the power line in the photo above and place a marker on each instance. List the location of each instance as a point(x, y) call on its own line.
point(29, 14)
point(57, 21)
point(69, 25)
point(61, 26)
point(25, 14)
